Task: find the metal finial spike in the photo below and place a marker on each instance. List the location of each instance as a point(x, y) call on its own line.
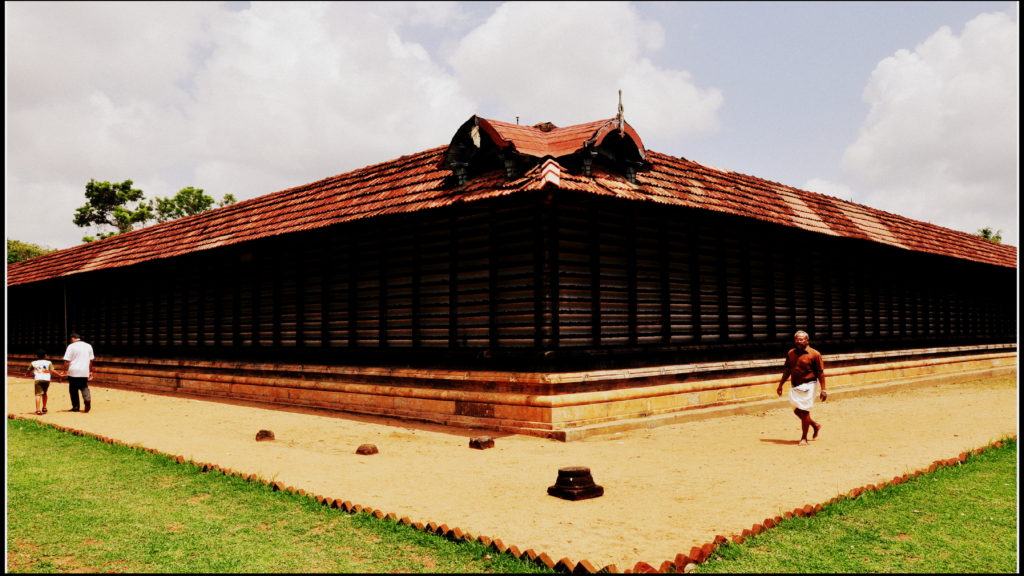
point(620, 117)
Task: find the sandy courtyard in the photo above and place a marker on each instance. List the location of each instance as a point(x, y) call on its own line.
point(665, 490)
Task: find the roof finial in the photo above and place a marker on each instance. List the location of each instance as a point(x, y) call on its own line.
point(620, 117)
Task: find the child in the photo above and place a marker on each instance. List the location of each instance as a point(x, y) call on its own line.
point(41, 370)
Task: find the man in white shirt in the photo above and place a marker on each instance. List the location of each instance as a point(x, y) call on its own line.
point(78, 367)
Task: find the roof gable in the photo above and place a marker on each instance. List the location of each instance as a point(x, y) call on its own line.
point(481, 145)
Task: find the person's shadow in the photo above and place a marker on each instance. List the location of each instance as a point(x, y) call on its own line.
point(779, 441)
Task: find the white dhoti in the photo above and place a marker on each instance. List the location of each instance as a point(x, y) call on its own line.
point(802, 396)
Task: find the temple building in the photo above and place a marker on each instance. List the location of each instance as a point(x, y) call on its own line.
point(531, 279)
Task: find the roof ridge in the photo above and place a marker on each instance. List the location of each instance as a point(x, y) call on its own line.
point(892, 218)
point(422, 180)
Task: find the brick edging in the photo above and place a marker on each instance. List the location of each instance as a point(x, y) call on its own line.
point(681, 562)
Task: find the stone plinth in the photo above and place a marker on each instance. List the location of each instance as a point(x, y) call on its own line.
point(575, 483)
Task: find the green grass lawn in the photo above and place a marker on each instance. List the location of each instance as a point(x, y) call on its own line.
point(75, 504)
point(957, 519)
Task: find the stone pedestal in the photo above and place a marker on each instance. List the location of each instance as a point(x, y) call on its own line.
point(575, 483)
point(481, 442)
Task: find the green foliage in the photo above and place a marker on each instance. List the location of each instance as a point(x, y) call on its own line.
point(122, 207)
point(187, 202)
point(993, 236)
point(18, 251)
point(75, 504)
point(117, 205)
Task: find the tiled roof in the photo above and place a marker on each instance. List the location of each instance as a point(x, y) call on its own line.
point(420, 182)
point(554, 143)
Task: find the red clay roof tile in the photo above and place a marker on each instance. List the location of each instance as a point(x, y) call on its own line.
point(552, 142)
point(417, 182)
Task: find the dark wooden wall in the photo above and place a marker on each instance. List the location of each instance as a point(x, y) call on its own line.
point(543, 281)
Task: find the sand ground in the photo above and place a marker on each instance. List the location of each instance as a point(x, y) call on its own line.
point(665, 490)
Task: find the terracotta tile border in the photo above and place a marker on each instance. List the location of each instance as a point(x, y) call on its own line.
point(681, 562)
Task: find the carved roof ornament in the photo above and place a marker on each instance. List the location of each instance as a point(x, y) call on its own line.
point(481, 145)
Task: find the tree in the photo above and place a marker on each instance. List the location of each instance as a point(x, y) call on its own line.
point(121, 206)
point(187, 202)
point(113, 204)
point(18, 251)
point(991, 236)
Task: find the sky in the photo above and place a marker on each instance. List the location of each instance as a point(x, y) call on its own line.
point(907, 107)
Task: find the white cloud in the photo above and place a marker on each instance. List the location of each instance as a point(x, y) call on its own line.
point(830, 188)
point(244, 101)
point(307, 91)
point(93, 91)
point(250, 99)
point(57, 51)
point(565, 62)
point(940, 142)
point(437, 15)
